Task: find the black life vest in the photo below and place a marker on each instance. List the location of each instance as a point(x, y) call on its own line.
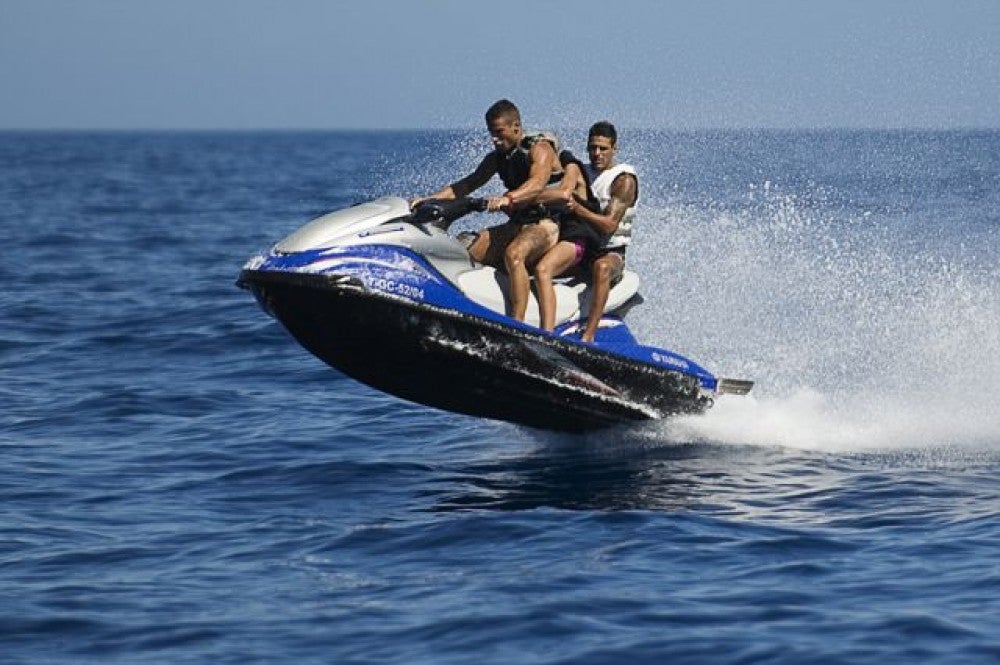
point(566, 158)
point(514, 166)
point(571, 227)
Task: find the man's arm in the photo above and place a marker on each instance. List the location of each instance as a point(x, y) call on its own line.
point(543, 158)
point(470, 183)
point(572, 181)
point(624, 192)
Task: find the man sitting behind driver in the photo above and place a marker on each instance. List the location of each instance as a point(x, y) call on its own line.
point(616, 188)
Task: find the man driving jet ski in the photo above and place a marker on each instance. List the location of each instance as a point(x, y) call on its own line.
point(527, 164)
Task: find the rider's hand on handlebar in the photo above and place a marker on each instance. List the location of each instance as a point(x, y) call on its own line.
point(495, 203)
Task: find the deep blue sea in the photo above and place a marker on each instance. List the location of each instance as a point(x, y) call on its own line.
point(182, 483)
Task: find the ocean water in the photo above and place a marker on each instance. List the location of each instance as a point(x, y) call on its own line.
point(182, 483)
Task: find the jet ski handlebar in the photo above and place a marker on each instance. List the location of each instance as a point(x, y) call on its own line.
point(442, 213)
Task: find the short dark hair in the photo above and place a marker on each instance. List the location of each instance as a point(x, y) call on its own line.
point(605, 129)
point(505, 109)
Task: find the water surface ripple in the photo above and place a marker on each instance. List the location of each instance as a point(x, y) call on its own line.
point(182, 483)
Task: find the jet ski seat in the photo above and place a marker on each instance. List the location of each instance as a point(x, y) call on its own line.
point(489, 288)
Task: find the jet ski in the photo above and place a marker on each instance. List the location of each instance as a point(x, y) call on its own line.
point(388, 297)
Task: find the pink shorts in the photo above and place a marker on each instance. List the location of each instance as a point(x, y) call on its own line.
point(580, 250)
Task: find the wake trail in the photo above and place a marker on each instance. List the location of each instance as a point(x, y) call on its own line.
point(861, 331)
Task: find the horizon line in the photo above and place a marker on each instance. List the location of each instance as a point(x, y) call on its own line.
point(678, 129)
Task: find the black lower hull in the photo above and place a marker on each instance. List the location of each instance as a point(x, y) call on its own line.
point(460, 363)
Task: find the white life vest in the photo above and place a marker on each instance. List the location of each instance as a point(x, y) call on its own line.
point(600, 183)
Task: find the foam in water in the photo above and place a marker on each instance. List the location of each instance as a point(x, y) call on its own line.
point(859, 336)
point(863, 328)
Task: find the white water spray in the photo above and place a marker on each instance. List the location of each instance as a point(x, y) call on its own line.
point(859, 335)
point(865, 328)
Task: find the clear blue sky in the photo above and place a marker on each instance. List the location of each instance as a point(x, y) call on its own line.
point(246, 64)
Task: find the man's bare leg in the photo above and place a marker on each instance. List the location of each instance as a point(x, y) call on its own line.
point(606, 268)
point(528, 246)
point(477, 250)
point(489, 245)
point(555, 262)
